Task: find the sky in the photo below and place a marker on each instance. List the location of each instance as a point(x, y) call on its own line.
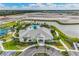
point(39, 6)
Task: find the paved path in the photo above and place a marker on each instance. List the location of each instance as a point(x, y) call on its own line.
point(64, 45)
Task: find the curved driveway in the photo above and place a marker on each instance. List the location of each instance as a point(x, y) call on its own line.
point(31, 51)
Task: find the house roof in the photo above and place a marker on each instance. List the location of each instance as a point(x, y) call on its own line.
point(37, 33)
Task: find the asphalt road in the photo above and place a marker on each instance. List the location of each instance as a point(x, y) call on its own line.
point(9, 53)
point(72, 53)
point(31, 51)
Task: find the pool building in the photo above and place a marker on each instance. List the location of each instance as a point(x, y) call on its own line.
point(35, 32)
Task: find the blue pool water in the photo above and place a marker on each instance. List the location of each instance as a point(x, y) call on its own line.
point(35, 26)
point(3, 32)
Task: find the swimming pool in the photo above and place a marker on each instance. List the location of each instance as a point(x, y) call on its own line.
point(3, 32)
point(35, 26)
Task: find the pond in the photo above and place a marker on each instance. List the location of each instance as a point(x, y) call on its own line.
point(3, 32)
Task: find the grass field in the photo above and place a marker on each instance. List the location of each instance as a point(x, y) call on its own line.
point(12, 45)
point(9, 24)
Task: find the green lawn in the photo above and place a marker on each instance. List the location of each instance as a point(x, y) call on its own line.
point(7, 37)
point(65, 53)
point(1, 52)
point(60, 33)
point(54, 35)
point(12, 45)
point(9, 24)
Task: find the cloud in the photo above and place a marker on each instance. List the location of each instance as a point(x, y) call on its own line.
point(1, 6)
point(41, 6)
